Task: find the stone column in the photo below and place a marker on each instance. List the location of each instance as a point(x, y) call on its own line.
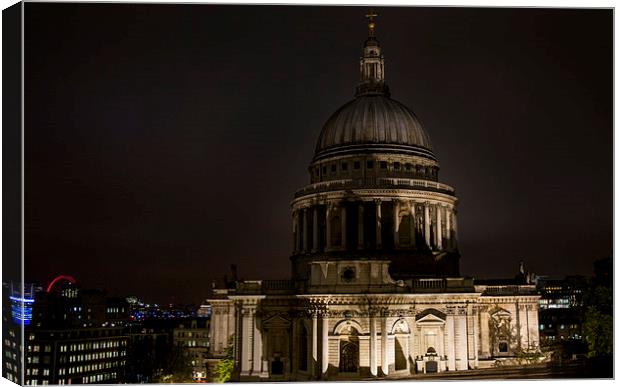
point(455, 238)
point(360, 226)
point(324, 345)
point(396, 224)
point(438, 227)
point(378, 223)
point(343, 226)
point(373, 345)
point(412, 225)
point(441, 351)
point(295, 233)
point(448, 229)
point(258, 348)
point(523, 322)
point(476, 333)
point(384, 346)
point(246, 341)
point(315, 345)
point(304, 230)
point(485, 344)
point(427, 226)
point(328, 228)
point(315, 229)
point(460, 338)
point(532, 321)
point(451, 342)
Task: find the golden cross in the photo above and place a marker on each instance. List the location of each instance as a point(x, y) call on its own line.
point(371, 16)
point(371, 22)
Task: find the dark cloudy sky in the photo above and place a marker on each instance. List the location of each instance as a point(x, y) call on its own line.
point(165, 142)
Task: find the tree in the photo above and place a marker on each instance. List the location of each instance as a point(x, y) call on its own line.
point(598, 322)
point(179, 369)
point(226, 366)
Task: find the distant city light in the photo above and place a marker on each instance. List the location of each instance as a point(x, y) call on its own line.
point(21, 309)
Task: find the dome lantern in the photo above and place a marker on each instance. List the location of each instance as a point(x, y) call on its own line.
point(372, 66)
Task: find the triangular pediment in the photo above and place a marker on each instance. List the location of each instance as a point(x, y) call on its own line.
point(430, 319)
point(431, 311)
point(276, 321)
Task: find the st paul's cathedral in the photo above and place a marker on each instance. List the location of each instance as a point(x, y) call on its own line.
point(375, 288)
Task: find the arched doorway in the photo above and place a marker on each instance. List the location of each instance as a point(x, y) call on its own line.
point(349, 348)
point(401, 332)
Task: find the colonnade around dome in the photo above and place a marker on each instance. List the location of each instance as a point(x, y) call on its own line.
point(364, 222)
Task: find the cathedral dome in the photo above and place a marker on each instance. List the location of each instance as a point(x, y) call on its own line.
point(373, 122)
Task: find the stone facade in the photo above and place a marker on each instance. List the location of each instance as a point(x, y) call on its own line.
point(375, 288)
point(351, 320)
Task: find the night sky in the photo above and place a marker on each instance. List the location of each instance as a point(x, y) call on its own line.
point(165, 142)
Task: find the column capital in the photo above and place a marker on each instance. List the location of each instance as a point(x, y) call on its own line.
point(378, 311)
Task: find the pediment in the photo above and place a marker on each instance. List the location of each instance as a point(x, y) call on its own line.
point(430, 319)
point(275, 322)
point(434, 312)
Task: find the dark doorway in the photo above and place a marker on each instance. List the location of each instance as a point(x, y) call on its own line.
point(277, 367)
point(303, 349)
point(349, 356)
point(431, 367)
point(401, 360)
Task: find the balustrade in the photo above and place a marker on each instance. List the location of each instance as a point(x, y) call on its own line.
point(372, 182)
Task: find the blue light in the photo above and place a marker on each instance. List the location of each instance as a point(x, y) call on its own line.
point(18, 299)
point(21, 309)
